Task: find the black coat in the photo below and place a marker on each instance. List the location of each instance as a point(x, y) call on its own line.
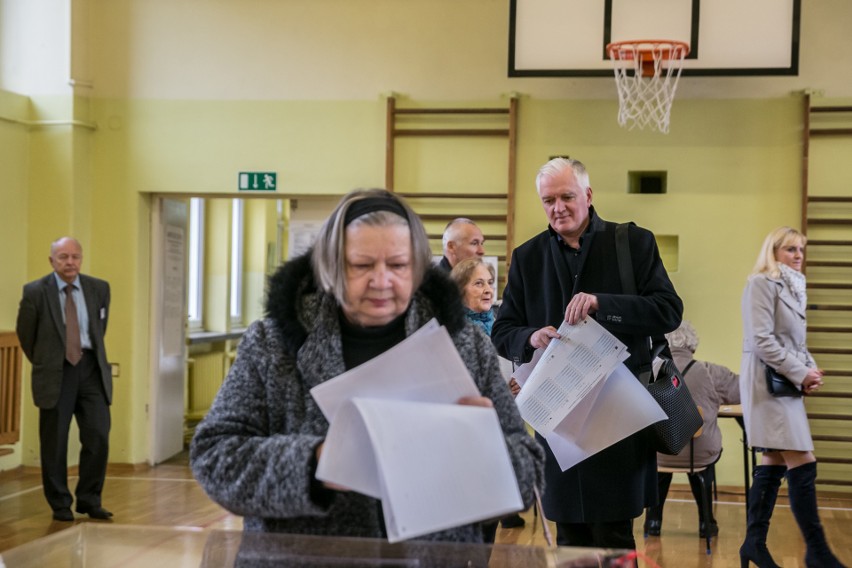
point(620, 481)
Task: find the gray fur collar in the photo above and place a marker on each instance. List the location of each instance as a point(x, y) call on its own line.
point(292, 291)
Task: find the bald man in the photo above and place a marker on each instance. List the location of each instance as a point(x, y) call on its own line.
point(462, 240)
point(62, 319)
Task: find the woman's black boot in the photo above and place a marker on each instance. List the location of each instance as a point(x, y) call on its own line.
point(801, 482)
point(761, 503)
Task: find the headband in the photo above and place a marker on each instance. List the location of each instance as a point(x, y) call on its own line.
point(372, 204)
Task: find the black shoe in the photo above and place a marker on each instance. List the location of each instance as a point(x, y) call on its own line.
point(95, 513)
point(653, 527)
point(64, 515)
point(512, 521)
point(702, 529)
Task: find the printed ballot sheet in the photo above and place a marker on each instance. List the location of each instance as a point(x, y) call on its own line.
point(571, 396)
point(397, 434)
point(425, 367)
point(411, 456)
point(618, 407)
point(570, 367)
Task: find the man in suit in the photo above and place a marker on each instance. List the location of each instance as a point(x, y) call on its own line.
point(462, 240)
point(62, 319)
point(566, 273)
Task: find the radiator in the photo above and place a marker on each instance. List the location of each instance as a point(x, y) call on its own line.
point(10, 390)
point(205, 373)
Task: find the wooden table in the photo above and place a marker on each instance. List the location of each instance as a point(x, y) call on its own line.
point(735, 411)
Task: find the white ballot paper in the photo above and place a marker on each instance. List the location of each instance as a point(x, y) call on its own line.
point(570, 367)
point(425, 367)
point(584, 399)
point(397, 434)
point(618, 407)
point(434, 466)
point(522, 373)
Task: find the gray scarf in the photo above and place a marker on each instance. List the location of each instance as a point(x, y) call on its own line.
point(795, 280)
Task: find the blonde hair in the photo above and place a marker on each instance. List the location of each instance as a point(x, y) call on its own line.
point(779, 238)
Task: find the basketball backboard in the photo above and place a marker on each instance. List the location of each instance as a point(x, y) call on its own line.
point(568, 38)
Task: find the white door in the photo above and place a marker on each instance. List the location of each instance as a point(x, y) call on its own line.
point(168, 335)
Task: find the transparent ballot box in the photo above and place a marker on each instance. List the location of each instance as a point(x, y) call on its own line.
point(97, 545)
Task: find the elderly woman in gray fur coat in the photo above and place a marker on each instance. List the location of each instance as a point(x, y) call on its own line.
point(366, 285)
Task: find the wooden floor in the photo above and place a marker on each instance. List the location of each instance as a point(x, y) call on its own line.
point(167, 495)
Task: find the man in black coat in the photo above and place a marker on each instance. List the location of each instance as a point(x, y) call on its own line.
point(61, 324)
point(566, 273)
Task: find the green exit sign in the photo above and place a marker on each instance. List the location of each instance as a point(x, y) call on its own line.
point(258, 181)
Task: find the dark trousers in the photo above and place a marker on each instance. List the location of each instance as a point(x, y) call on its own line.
point(612, 534)
point(664, 480)
point(82, 397)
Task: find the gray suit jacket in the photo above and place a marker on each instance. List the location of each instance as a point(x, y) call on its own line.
point(41, 332)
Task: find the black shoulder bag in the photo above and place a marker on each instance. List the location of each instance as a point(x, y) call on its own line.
point(778, 385)
point(668, 389)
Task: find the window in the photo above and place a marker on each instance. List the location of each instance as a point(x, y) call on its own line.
point(237, 262)
point(195, 284)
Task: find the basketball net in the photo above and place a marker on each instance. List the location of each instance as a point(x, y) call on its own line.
point(646, 75)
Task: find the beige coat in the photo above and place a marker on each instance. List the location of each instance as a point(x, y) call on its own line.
point(774, 332)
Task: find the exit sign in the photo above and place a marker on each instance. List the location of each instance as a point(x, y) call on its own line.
point(258, 181)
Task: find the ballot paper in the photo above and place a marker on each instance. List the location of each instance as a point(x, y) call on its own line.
point(397, 434)
point(584, 399)
point(425, 367)
point(411, 456)
point(570, 367)
point(618, 407)
point(522, 373)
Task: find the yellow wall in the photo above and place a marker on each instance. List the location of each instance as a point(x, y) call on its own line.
point(733, 173)
point(186, 94)
point(14, 175)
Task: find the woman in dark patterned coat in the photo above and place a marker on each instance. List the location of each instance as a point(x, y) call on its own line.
point(367, 284)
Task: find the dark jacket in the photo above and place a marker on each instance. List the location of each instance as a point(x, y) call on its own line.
point(254, 451)
point(620, 481)
point(41, 331)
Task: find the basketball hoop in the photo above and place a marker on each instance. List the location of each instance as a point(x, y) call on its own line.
point(646, 75)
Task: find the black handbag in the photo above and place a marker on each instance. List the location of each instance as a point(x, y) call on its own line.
point(684, 420)
point(670, 436)
point(779, 385)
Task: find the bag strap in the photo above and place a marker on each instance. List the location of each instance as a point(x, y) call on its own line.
point(625, 264)
point(657, 345)
point(628, 286)
point(686, 369)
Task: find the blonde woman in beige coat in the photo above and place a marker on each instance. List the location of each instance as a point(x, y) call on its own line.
point(774, 329)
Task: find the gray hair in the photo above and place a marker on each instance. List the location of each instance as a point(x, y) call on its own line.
point(451, 232)
point(558, 165)
point(328, 259)
point(684, 336)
